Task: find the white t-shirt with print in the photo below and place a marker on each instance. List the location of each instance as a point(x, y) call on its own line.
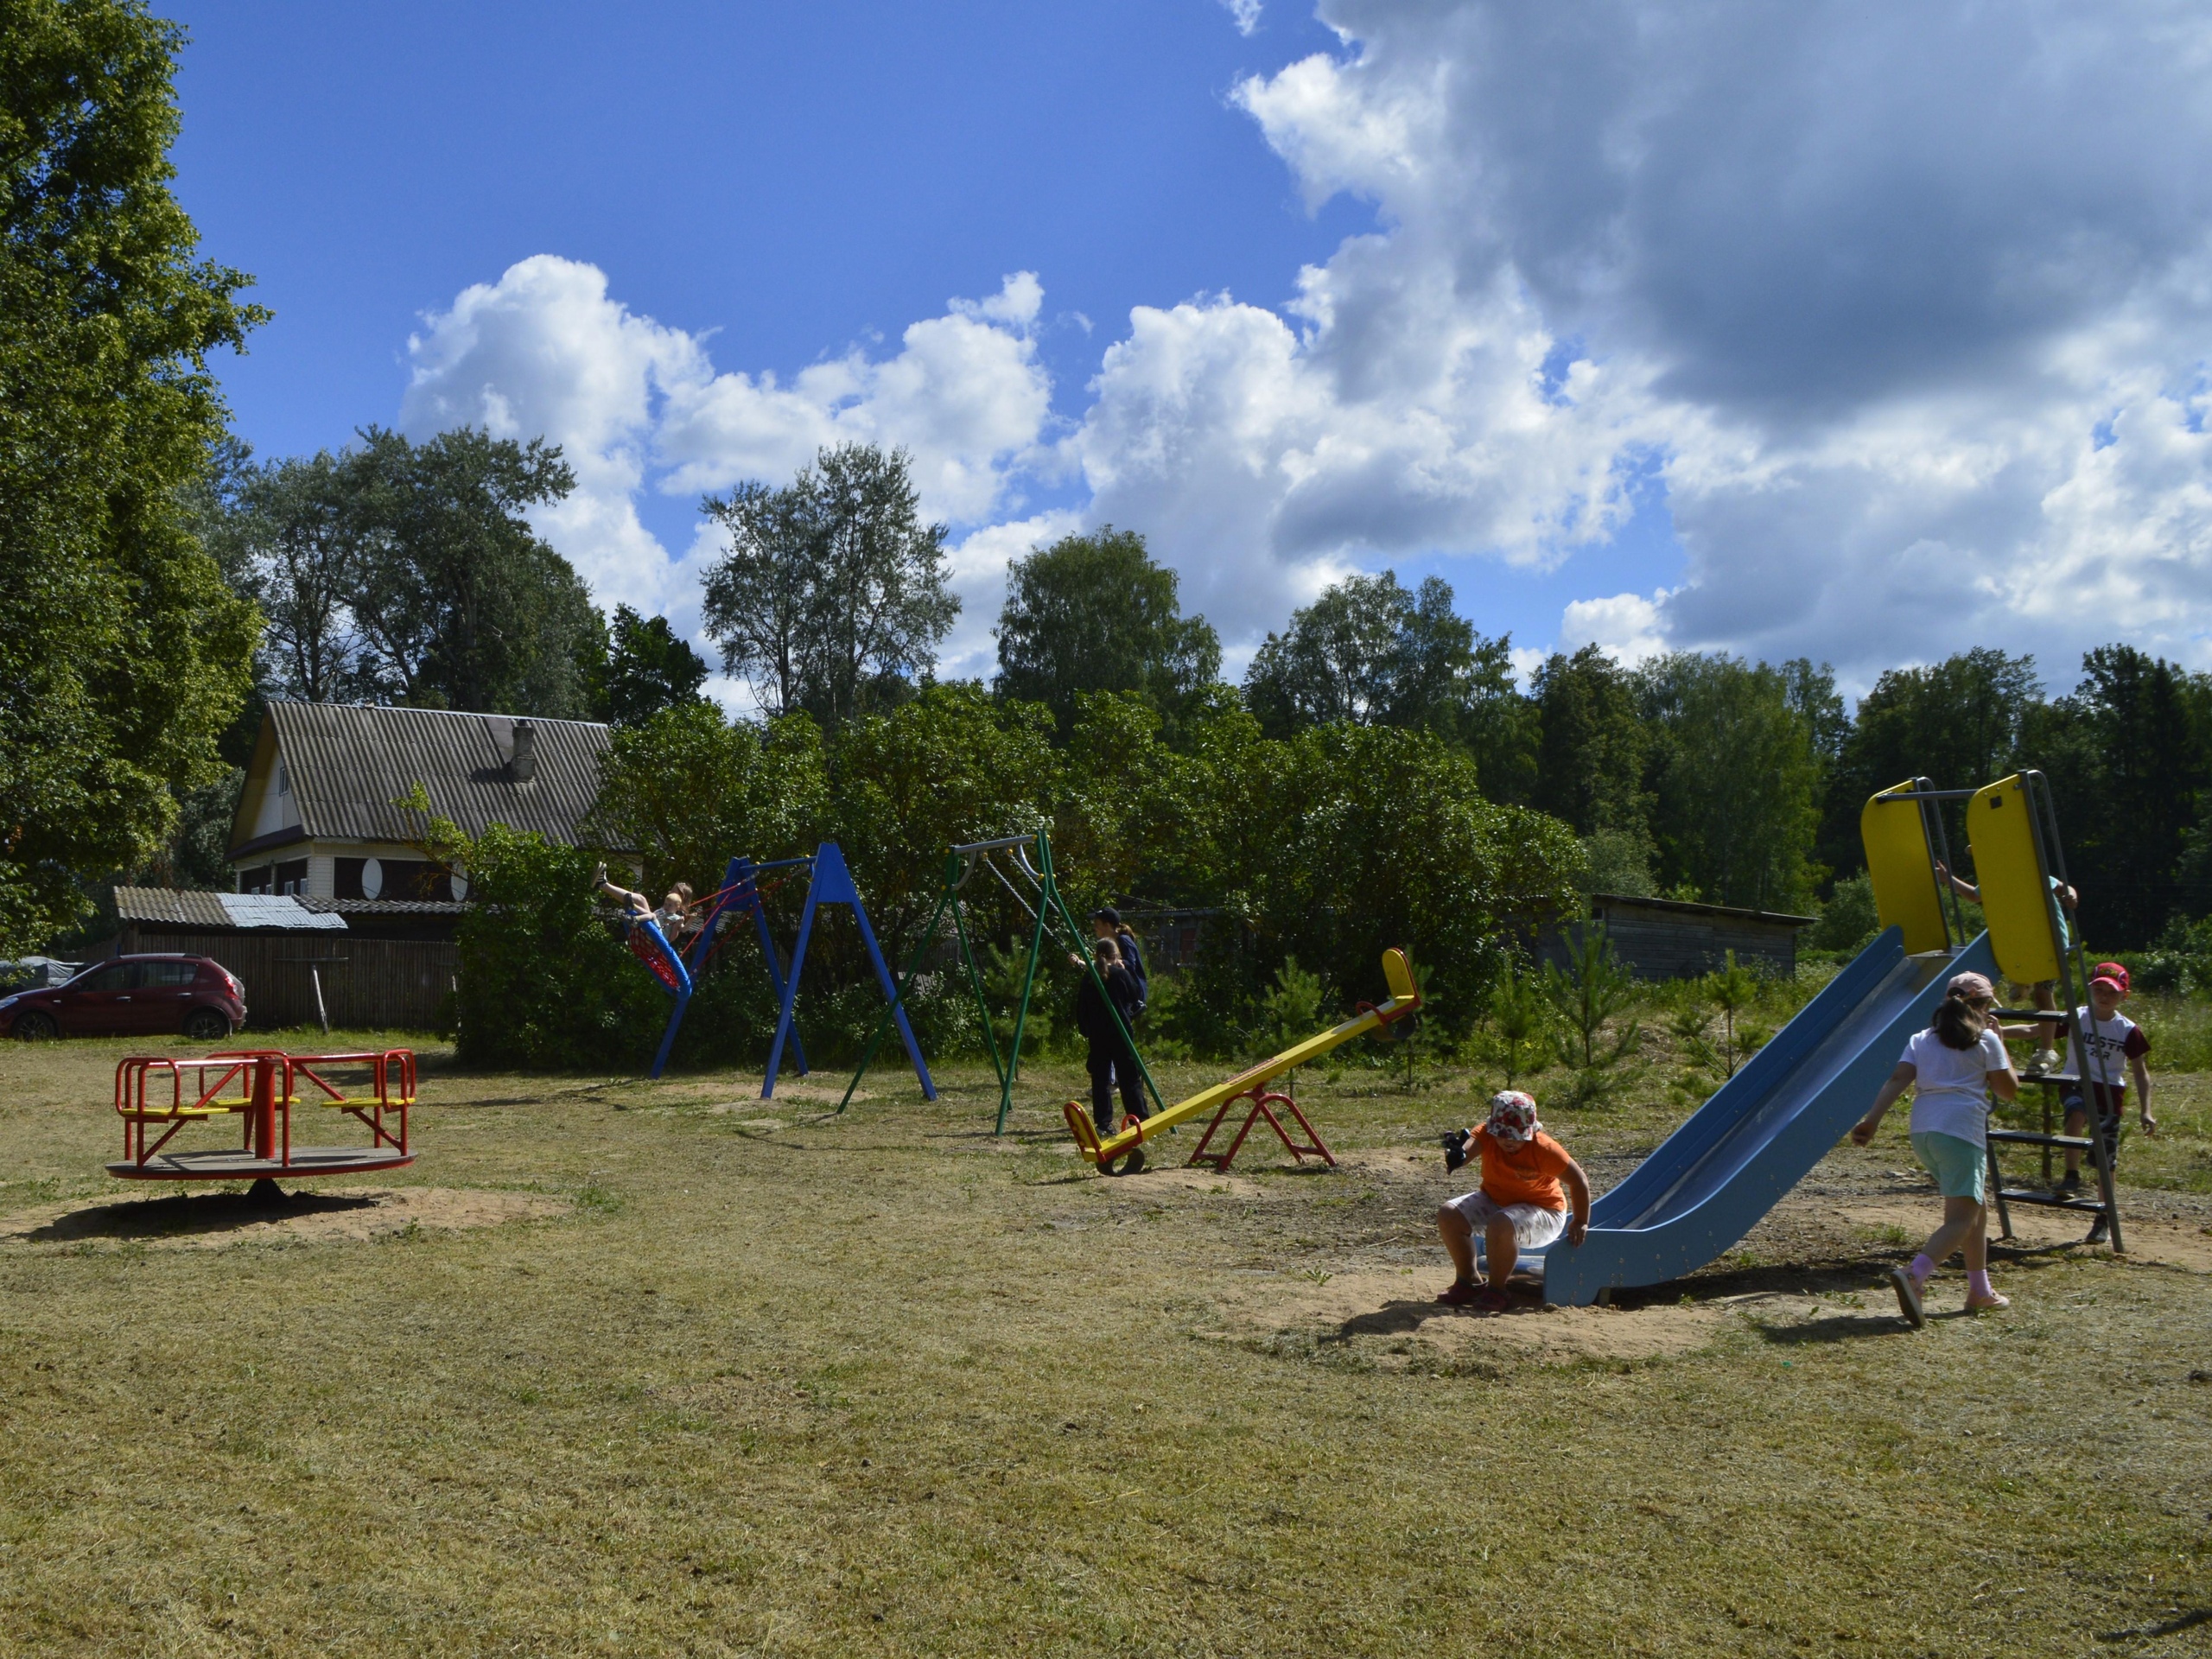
point(2113, 1043)
point(1950, 1086)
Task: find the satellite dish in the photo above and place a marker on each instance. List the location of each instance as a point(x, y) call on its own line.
point(371, 878)
point(459, 880)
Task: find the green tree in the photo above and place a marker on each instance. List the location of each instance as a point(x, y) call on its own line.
point(647, 669)
point(689, 790)
point(1373, 652)
point(2129, 754)
point(459, 604)
point(1736, 779)
point(950, 765)
point(1093, 613)
point(832, 595)
point(1586, 993)
point(1591, 744)
point(117, 630)
point(1960, 722)
point(1518, 1018)
point(288, 542)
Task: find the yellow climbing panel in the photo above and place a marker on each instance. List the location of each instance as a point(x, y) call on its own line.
point(1903, 869)
point(2015, 889)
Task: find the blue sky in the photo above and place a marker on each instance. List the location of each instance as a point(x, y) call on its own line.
point(1866, 332)
point(789, 179)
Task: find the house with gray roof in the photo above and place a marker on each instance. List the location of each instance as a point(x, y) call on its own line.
point(317, 820)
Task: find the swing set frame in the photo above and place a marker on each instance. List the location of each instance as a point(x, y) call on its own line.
point(1005, 857)
point(829, 881)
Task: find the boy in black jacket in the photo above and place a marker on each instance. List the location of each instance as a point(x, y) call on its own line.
point(1110, 1060)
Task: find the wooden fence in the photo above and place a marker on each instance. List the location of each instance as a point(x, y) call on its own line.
point(367, 984)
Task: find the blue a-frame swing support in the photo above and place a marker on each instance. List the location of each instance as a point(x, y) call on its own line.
point(740, 890)
point(833, 885)
point(830, 883)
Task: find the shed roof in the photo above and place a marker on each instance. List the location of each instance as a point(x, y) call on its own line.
point(1689, 912)
point(347, 763)
point(225, 912)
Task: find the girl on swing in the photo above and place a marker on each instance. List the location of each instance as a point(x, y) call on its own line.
point(673, 918)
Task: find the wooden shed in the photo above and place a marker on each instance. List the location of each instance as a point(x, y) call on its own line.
point(1673, 938)
point(380, 967)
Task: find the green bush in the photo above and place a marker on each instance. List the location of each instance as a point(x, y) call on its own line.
point(544, 980)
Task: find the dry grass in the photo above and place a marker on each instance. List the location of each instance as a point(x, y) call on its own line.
point(883, 1384)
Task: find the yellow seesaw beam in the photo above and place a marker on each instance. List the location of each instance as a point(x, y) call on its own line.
point(1405, 997)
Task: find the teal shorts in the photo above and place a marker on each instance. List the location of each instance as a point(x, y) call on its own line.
point(1960, 1169)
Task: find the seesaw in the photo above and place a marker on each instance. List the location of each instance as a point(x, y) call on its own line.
point(1249, 1084)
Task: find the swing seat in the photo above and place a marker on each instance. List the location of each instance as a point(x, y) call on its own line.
point(651, 950)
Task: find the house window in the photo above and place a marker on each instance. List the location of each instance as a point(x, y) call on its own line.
point(255, 880)
point(290, 876)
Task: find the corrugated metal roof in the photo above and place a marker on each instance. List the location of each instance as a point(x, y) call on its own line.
point(273, 910)
point(179, 908)
point(171, 904)
point(386, 906)
point(347, 762)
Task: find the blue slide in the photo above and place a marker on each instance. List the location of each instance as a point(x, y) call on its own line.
point(1712, 1179)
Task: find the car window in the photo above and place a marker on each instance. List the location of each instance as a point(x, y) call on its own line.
point(119, 978)
point(169, 973)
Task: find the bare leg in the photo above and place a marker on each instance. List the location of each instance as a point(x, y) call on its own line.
point(1502, 1250)
point(1976, 1244)
point(1459, 1243)
point(1961, 1218)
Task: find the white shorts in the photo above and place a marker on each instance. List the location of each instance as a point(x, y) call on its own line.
point(1534, 1226)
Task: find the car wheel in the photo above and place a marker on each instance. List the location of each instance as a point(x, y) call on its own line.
point(205, 1025)
point(32, 1026)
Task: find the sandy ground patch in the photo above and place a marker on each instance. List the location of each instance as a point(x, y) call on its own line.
point(1180, 1178)
point(2168, 1244)
point(1398, 1307)
point(214, 1221)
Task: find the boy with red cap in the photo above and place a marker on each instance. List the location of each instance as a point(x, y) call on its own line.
point(1519, 1206)
point(2116, 1046)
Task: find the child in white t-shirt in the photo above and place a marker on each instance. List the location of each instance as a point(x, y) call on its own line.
point(2116, 1047)
point(1951, 1068)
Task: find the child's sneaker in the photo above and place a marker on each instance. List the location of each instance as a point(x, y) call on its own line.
point(2070, 1185)
point(1461, 1293)
point(1995, 1299)
point(2097, 1231)
point(1908, 1303)
point(2044, 1059)
point(1492, 1300)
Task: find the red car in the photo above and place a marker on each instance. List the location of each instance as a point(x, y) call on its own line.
point(132, 996)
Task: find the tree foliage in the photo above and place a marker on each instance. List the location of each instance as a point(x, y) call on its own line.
point(1093, 613)
point(403, 572)
point(647, 669)
point(123, 655)
point(458, 603)
point(1735, 781)
point(832, 595)
point(1372, 653)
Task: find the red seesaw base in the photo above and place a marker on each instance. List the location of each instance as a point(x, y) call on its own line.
point(267, 1084)
point(1263, 1104)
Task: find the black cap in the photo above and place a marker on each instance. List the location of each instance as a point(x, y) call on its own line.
point(1111, 916)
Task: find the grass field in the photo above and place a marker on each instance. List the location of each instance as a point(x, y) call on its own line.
point(741, 1378)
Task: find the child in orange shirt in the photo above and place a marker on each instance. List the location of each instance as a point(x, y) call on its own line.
point(1519, 1206)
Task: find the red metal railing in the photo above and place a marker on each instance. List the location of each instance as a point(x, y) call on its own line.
point(268, 1084)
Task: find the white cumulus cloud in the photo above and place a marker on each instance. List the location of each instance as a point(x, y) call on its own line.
point(1906, 305)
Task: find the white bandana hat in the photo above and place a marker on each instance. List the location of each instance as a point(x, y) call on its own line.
point(1512, 1117)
